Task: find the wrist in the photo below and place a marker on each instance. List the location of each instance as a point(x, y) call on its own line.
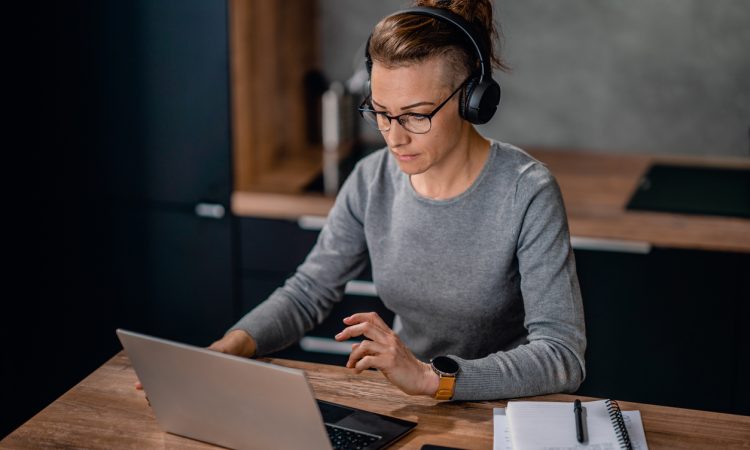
point(447, 370)
point(432, 381)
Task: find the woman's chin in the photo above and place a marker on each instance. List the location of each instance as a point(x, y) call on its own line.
point(410, 166)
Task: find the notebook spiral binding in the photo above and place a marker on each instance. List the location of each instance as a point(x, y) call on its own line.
point(615, 415)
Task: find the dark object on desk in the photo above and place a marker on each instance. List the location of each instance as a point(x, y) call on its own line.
point(694, 190)
point(437, 447)
point(577, 411)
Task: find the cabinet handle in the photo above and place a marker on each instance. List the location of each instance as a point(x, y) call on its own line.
point(610, 245)
point(311, 223)
point(209, 210)
point(326, 345)
point(363, 288)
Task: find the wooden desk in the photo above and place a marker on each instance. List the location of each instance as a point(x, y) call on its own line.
point(104, 411)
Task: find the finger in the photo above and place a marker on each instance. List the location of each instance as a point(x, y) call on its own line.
point(371, 317)
point(366, 329)
point(368, 317)
point(368, 362)
point(354, 347)
point(363, 349)
point(217, 348)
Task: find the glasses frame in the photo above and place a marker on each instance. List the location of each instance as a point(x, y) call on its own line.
point(366, 107)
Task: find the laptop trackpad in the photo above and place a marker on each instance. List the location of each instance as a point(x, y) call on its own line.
point(333, 413)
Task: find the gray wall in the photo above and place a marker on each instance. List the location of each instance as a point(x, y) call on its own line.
point(625, 76)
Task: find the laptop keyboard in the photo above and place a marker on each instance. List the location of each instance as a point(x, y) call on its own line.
point(345, 439)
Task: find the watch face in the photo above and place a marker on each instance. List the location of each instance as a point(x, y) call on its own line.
point(445, 365)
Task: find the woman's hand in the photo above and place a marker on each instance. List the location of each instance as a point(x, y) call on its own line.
point(385, 351)
point(235, 342)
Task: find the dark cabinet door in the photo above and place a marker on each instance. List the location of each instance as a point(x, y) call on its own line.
point(164, 101)
point(165, 156)
point(665, 327)
point(135, 122)
point(174, 273)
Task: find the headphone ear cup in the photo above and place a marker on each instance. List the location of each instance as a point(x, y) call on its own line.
point(463, 104)
point(482, 104)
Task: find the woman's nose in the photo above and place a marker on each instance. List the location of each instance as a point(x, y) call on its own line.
point(397, 135)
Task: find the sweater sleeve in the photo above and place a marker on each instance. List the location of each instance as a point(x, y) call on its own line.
point(553, 358)
point(308, 296)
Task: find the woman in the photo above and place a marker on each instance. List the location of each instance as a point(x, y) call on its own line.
point(467, 237)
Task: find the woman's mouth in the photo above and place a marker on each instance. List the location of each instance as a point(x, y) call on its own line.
point(406, 157)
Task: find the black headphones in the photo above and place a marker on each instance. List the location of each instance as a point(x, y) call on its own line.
point(482, 93)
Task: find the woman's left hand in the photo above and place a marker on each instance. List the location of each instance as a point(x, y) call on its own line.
point(385, 351)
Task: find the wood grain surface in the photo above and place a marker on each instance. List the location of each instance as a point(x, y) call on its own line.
point(104, 411)
point(597, 187)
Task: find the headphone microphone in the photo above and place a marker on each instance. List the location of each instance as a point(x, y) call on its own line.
point(481, 93)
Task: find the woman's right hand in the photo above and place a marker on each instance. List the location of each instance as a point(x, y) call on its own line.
point(235, 342)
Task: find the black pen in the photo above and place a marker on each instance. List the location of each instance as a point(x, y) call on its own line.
point(577, 410)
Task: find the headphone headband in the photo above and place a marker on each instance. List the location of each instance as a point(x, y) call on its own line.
point(460, 23)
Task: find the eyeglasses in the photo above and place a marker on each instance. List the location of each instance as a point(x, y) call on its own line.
point(412, 122)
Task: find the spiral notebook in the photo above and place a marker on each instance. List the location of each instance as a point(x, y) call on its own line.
point(551, 425)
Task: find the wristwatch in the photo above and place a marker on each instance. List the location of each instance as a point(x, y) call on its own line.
point(447, 370)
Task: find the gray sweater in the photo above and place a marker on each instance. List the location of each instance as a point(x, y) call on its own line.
point(487, 277)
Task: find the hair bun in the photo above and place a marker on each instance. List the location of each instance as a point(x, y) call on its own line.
point(479, 13)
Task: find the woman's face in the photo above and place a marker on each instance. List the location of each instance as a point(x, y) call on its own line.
point(418, 88)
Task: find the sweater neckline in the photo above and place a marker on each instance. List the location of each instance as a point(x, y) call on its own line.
point(431, 201)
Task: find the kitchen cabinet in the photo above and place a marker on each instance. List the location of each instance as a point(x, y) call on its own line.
point(135, 229)
point(666, 327)
point(174, 274)
point(166, 165)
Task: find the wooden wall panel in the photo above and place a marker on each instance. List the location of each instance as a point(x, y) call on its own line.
point(273, 45)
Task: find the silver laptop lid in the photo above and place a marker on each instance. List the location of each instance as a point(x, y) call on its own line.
point(223, 399)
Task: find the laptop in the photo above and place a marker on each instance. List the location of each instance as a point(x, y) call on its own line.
point(246, 404)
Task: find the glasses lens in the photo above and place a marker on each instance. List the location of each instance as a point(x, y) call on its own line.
point(415, 123)
point(383, 122)
point(378, 121)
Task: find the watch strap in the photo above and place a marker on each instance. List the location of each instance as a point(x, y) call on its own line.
point(445, 387)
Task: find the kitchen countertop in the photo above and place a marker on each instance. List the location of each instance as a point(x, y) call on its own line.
point(595, 187)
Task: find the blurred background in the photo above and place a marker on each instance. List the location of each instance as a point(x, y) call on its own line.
point(668, 76)
point(191, 150)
